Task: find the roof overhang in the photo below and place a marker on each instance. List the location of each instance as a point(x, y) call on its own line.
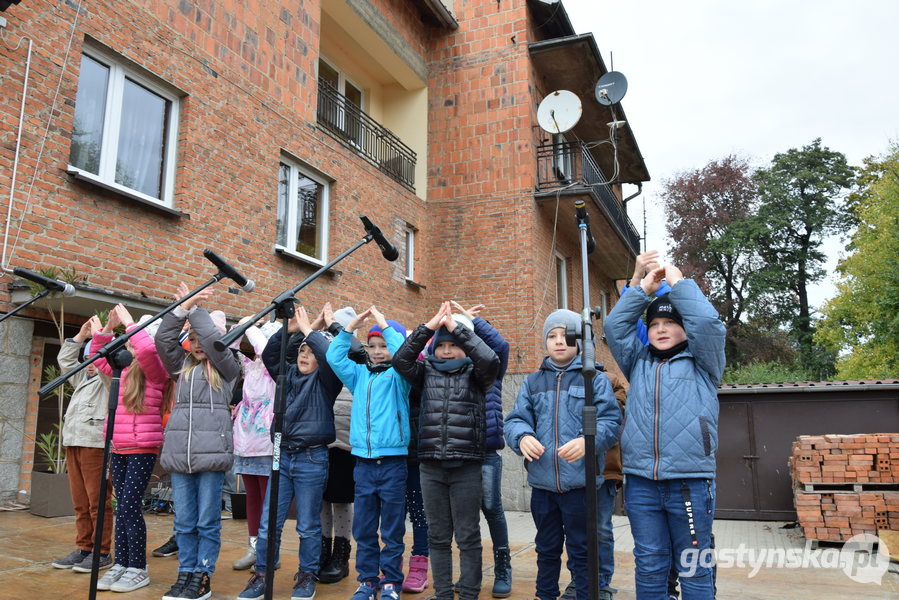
point(573, 63)
point(439, 13)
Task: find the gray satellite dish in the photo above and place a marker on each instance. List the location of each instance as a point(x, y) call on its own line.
point(611, 88)
point(559, 111)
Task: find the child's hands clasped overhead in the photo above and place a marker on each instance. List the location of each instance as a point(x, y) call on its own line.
point(653, 281)
point(194, 300)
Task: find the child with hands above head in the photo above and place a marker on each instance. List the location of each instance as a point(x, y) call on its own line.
point(451, 441)
point(671, 434)
point(546, 427)
point(379, 436)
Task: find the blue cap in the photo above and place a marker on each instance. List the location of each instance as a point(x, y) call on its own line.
point(376, 329)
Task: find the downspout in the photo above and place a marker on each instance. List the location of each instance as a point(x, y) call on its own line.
point(635, 194)
point(15, 166)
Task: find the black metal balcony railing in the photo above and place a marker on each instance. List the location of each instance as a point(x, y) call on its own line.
point(562, 164)
point(365, 136)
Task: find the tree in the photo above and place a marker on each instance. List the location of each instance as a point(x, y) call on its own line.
point(863, 318)
point(710, 215)
point(800, 204)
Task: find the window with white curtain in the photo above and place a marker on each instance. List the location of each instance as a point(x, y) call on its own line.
point(302, 212)
point(125, 128)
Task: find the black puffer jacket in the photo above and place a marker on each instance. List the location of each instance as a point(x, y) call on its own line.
point(452, 422)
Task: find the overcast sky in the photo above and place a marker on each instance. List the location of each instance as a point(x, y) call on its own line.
point(708, 78)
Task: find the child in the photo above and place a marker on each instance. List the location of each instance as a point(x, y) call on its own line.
point(452, 432)
point(82, 435)
point(307, 429)
point(198, 438)
point(671, 434)
point(136, 439)
point(379, 435)
point(546, 427)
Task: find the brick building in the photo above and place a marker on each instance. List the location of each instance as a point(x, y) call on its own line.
point(152, 130)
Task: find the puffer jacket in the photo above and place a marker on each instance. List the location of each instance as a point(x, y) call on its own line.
point(137, 433)
point(309, 404)
point(88, 406)
point(198, 436)
point(379, 418)
point(254, 411)
point(671, 427)
point(452, 421)
point(550, 407)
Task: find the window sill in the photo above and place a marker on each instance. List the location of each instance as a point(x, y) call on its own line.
point(415, 284)
point(304, 260)
point(121, 190)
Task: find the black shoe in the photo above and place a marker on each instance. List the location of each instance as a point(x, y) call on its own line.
point(170, 548)
point(338, 567)
point(198, 588)
point(174, 592)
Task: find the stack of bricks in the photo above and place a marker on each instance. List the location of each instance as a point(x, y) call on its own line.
point(845, 485)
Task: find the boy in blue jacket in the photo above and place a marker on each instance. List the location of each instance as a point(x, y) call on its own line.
point(546, 427)
point(671, 433)
point(379, 435)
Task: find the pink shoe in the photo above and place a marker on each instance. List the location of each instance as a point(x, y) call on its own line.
point(417, 579)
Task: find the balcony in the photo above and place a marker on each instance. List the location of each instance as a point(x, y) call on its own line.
point(570, 165)
point(365, 136)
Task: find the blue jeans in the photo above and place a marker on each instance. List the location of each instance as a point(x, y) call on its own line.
point(560, 520)
point(198, 520)
point(658, 514)
point(415, 507)
point(605, 504)
point(380, 505)
point(302, 476)
point(492, 500)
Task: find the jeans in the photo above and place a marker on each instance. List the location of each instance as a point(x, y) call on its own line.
point(416, 509)
point(198, 520)
point(605, 504)
point(302, 476)
point(492, 500)
point(380, 505)
point(452, 502)
point(560, 519)
point(658, 514)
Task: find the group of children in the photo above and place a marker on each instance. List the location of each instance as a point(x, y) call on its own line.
point(422, 438)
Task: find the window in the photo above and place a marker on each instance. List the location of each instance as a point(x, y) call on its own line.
point(125, 128)
point(410, 252)
point(562, 158)
point(302, 212)
point(562, 281)
point(604, 304)
point(345, 111)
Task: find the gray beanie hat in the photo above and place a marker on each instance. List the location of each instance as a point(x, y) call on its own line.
point(561, 318)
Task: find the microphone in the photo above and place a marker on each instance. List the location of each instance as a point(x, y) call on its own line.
point(248, 285)
point(387, 249)
point(50, 284)
point(583, 217)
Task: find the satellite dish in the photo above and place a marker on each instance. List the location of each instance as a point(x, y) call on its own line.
point(611, 88)
point(559, 111)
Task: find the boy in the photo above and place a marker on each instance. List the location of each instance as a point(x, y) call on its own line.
point(546, 427)
point(451, 441)
point(308, 428)
point(379, 435)
point(671, 434)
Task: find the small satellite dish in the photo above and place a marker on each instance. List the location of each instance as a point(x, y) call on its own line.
point(559, 111)
point(611, 88)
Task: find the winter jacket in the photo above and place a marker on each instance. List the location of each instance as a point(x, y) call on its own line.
point(254, 412)
point(452, 420)
point(137, 433)
point(89, 404)
point(550, 407)
point(494, 406)
point(664, 288)
point(309, 399)
point(671, 426)
point(198, 436)
point(379, 419)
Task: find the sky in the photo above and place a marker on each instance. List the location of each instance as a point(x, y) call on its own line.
point(709, 78)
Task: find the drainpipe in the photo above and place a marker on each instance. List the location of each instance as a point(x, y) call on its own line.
point(15, 166)
point(635, 194)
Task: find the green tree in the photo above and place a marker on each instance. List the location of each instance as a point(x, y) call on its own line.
point(801, 197)
point(862, 320)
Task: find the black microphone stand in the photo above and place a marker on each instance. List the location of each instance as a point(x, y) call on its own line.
point(283, 306)
point(44, 293)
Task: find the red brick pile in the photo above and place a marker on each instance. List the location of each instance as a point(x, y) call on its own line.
point(844, 485)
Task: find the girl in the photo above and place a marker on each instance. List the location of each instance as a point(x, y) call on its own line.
point(144, 392)
point(198, 448)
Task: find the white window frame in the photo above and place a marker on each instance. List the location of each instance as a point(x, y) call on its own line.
point(561, 266)
point(112, 116)
point(291, 241)
point(410, 252)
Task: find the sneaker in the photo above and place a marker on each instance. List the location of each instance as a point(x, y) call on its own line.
point(417, 579)
point(174, 592)
point(255, 589)
point(170, 548)
point(569, 593)
point(365, 591)
point(73, 558)
point(87, 564)
point(198, 588)
point(132, 579)
point(606, 594)
point(389, 592)
point(111, 576)
point(304, 589)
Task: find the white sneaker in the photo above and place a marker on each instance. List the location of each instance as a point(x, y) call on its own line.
point(111, 576)
point(132, 579)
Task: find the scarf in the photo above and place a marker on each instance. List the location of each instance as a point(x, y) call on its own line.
point(449, 365)
point(666, 354)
